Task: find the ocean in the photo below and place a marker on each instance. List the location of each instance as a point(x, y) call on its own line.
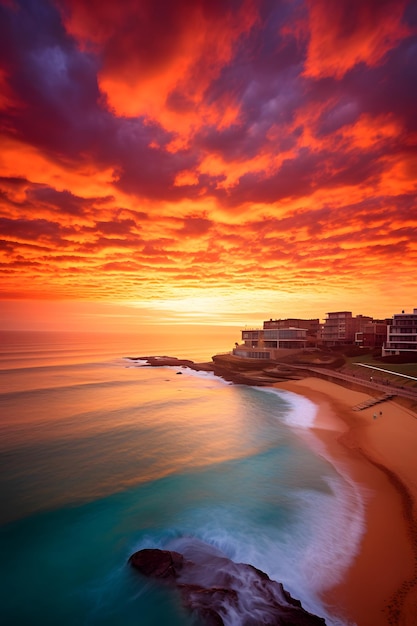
point(101, 456)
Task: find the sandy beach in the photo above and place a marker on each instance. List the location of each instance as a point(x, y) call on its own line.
point(378, 447)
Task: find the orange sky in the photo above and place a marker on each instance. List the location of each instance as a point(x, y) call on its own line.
point(206, 161)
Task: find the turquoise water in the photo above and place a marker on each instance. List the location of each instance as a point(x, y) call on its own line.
point(100, 458)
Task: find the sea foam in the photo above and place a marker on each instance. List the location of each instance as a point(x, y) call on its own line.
point(301, 411)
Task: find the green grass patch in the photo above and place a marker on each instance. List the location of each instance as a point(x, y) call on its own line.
point(390, 369)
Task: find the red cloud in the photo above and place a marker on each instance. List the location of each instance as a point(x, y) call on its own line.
point(347, 32)
point(218, 144)
point(150, 48)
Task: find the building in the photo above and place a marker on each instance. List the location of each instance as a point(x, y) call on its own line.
point(312, 326)
point(264, 343)
point(402, 335)
point(372, 335)
point(285, 338)
point(340, 328)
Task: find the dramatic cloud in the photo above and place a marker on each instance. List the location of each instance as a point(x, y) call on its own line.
point(344, 34)
point(153, 148)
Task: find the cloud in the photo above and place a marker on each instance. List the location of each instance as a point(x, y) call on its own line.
point(349, 32)
point(37, 230)
point(153, 146)
point(195, 226)
point(55, 85)
point(61, 201)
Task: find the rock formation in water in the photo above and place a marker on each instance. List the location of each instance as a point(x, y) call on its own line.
point(233, 369)
point(221, 592)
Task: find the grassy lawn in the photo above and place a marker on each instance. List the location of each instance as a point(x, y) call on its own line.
point(408, 369)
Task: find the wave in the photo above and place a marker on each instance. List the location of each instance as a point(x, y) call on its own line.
point(302, 411)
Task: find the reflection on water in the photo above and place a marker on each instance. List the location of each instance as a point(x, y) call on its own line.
point(88, 440)
point(100, 458)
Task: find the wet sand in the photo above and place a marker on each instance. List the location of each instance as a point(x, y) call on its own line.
point(379, 452)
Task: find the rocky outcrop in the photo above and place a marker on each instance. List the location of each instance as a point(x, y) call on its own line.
point(172, 361)
point(233, 369)
point(221, 592)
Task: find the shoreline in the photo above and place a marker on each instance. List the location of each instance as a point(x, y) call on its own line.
point(380, 585)
point(375, 447)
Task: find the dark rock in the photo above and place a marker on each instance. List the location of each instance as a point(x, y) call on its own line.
point(220, 591)
point(172, 361)
point(230, 368)
point(157, 563)
point(292, 365)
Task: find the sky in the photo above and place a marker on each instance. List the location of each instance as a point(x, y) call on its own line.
point(206, 161)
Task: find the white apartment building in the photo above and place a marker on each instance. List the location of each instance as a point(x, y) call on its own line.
point(401, 334)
